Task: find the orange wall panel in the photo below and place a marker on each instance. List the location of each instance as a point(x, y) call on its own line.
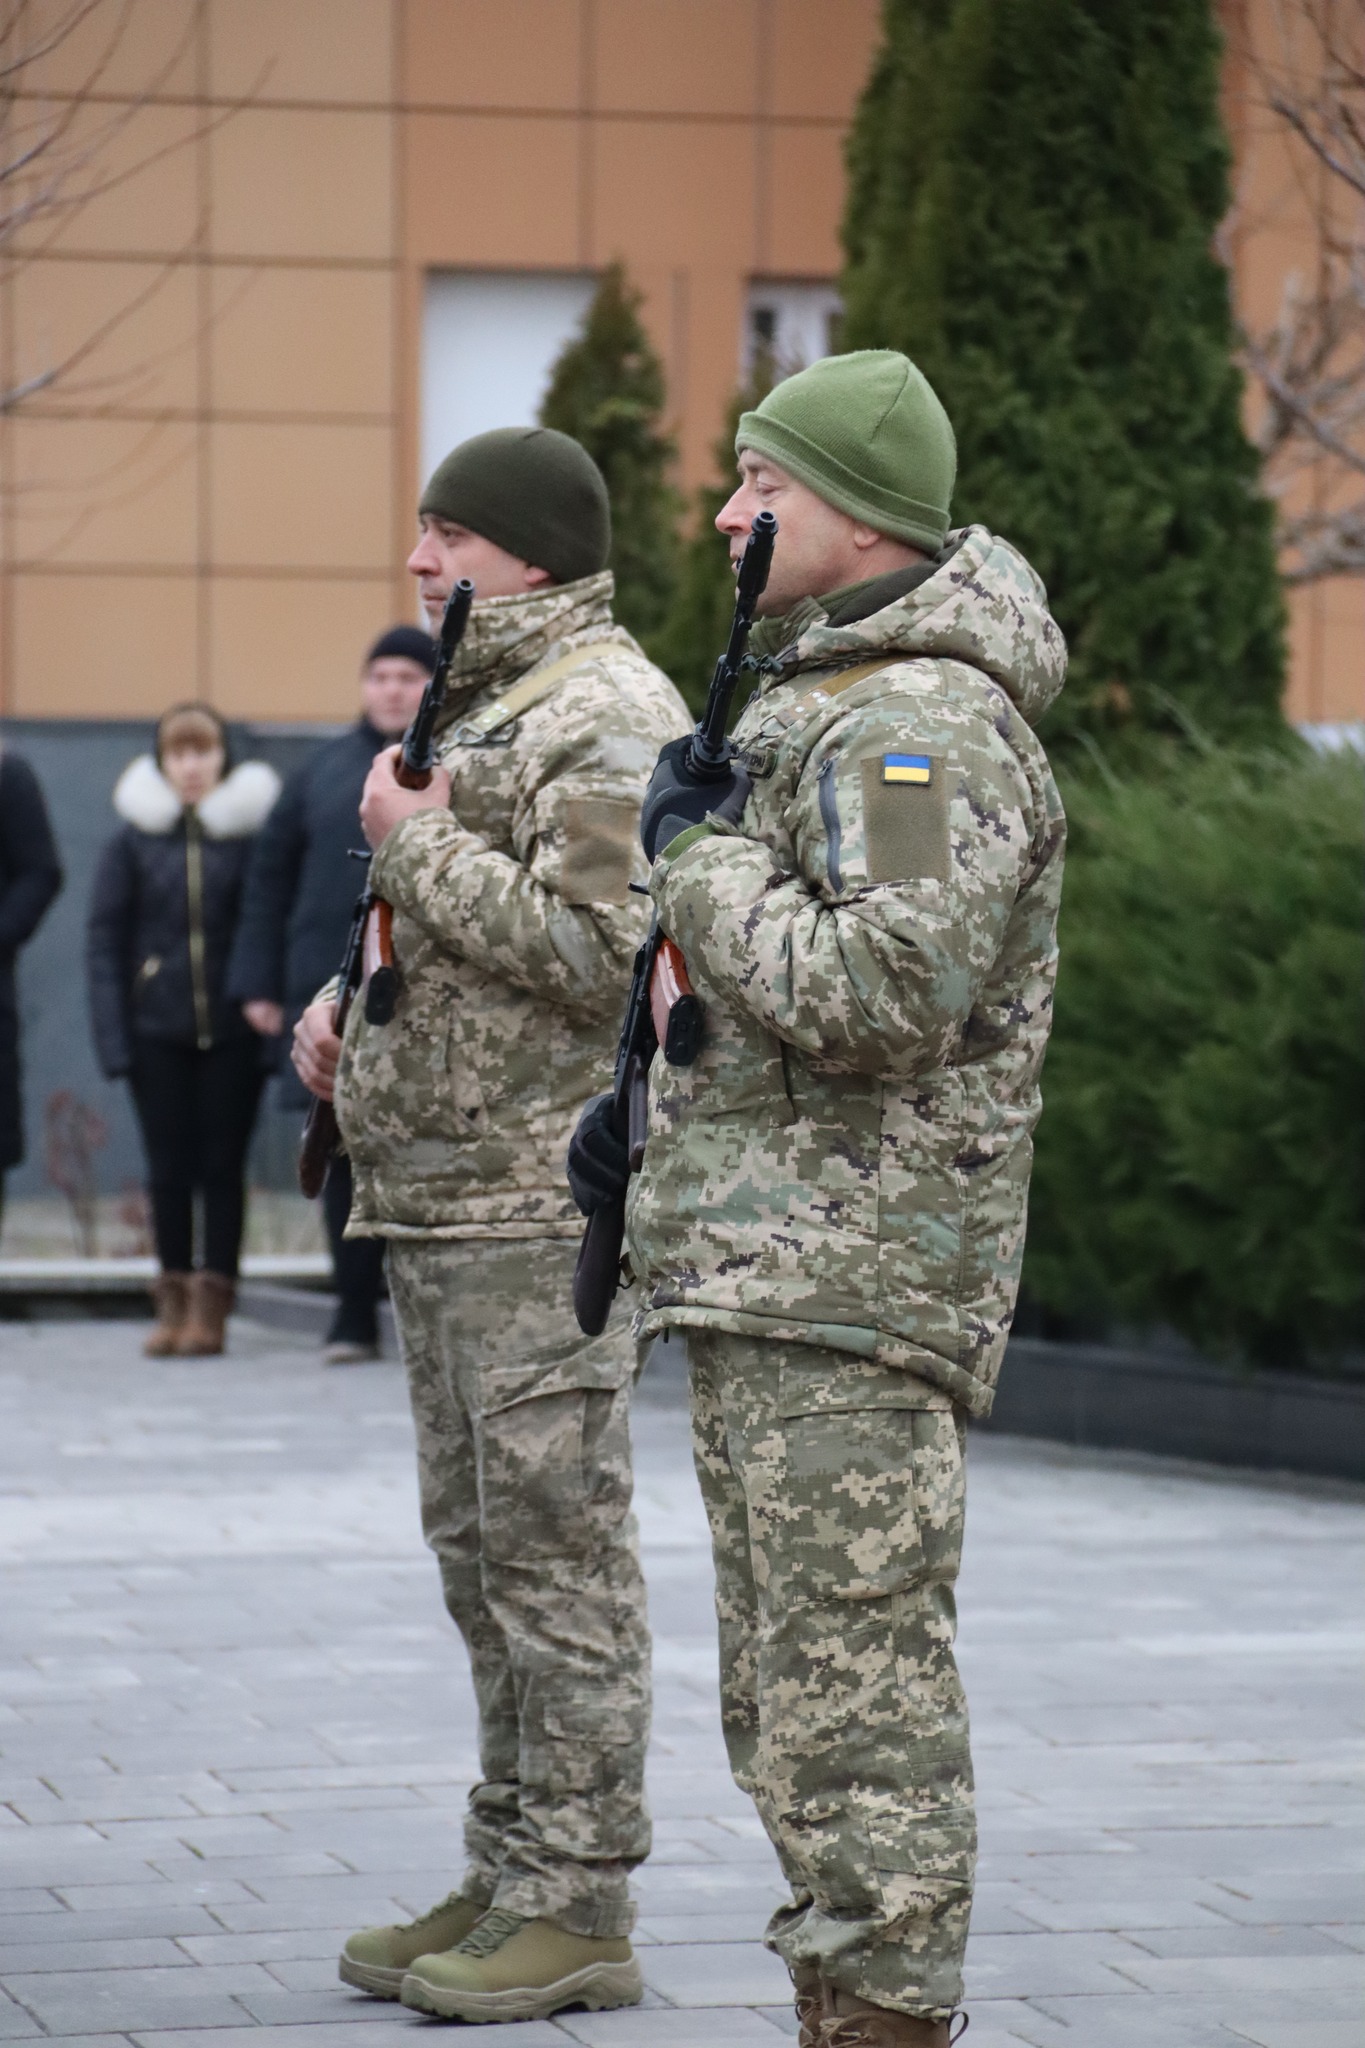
point(311, 185)
point(674, 192)
point(144, 165)
point(301, 50)
point(101, 646)
point(497, 194)
point(819, 54)
point(675, 56)
point(1327, 651)
point(301, 497)
point(104, 491)
point(468, 53)
point(805, 190)
point(302, 340)
point(127, 50)
point(136, 324)
point(287, 649)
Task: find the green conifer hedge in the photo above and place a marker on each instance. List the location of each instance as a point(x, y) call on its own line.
point(1035, 187)
point(1199, 1160)
point(607, 390)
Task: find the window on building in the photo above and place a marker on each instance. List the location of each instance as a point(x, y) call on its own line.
point(794, 323)
point(489, 340)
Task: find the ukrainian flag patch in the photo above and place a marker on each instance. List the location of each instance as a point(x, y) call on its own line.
point(907, 768)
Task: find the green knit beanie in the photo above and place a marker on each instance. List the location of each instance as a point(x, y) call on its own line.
point(531, 490)
point(867, 433)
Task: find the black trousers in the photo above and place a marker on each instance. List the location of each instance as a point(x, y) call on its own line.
point(197, 1110)
point(358, 1263)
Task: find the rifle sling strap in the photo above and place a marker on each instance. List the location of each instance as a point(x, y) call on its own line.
point(481, 728)
point(845, 678)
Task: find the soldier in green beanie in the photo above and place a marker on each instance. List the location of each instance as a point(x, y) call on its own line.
point(833, 1196)
point(514, 926)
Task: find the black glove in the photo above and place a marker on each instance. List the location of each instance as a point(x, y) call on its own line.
point(598, 1165)
point(675, 799)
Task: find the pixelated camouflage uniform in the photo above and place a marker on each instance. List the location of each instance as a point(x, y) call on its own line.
point(833, 1204)
point(513, 933)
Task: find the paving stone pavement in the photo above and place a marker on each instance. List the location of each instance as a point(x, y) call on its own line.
point(235, 1724)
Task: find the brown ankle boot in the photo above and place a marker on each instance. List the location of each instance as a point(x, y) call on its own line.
point(810, 2004)
point(171, 1299)
point(204, 1334)
point(851, 2022)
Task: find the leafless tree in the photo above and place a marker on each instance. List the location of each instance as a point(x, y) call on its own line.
point(1309, 365)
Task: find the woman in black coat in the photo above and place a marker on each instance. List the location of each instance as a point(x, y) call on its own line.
point(30, 876)
point(163, 916)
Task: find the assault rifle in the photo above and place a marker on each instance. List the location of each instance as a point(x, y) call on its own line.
point(412, 771)
point(317, 1146)
point(663, 1011)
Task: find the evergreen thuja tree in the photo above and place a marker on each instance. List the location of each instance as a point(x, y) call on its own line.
point(1034, 190)
point(607, 390)
point(697, 625)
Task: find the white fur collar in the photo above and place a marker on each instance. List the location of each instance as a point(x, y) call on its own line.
point(239, 805)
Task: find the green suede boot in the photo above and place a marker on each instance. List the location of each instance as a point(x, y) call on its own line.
point(377, 1958)
point(511, 1968)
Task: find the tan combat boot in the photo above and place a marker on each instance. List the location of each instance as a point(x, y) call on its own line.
point(810, 2004)
point(377, 1958)
point(171, 1299)
point(204, 1332)
point(851, 2022)
point(511, 1968)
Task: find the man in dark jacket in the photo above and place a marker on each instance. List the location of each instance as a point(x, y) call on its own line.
point(300, 892)
point(30, 876)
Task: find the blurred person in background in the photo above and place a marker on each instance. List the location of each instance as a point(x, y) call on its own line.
point(163, 915)
point(301, 886)
point(30, 876)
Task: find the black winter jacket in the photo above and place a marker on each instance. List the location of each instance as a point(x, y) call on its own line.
point(301, 886)
point(164, 908)
point(30, 876)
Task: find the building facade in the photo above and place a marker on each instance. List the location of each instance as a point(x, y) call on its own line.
point(304, 245)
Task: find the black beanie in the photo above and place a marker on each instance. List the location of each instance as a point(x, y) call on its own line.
point(530, 490)
point(404, 643)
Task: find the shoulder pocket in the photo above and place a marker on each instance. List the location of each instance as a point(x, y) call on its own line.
point(599, 849)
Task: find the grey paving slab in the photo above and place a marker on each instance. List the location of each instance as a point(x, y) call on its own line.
point(234, 1724)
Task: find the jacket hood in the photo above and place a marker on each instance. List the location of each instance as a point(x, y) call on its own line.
point(239, 804)
point(983, 605)
point(506, 636)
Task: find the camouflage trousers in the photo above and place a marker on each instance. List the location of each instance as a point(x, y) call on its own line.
point(836, 1508)
point(523, 1449)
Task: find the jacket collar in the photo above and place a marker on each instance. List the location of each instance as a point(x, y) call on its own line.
point(507, 636)
point(237, 807)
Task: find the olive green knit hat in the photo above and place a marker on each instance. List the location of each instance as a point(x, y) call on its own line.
point(531, 490)
point(867, 433)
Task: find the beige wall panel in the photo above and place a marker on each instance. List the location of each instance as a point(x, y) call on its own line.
point(301, 497)
point(470, 53)
point(676, 56)
point(497, 194)
point(301, 50)
point(302, 340)
point(805, 200)
point(1327, 651)
point(147, 166)
point(713, 371)
point(101, 646)
point(285, 650)
point(673, 193)
point(104, 491)
point(820, 53)
point(134, 50)
point(290, 183)
point(139, 321)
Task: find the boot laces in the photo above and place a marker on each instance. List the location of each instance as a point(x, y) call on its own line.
point(491, 1932)
point(851, 2030)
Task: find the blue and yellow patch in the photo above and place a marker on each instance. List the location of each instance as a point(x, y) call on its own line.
point(907, 768)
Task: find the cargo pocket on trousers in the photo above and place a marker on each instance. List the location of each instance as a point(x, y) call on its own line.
point(554, 1471)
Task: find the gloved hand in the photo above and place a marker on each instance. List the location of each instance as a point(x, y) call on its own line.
point(598, 1166)
point(674, 800)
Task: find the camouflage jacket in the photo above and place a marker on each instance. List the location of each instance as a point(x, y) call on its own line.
point(847, 1162)
point(513, 930)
